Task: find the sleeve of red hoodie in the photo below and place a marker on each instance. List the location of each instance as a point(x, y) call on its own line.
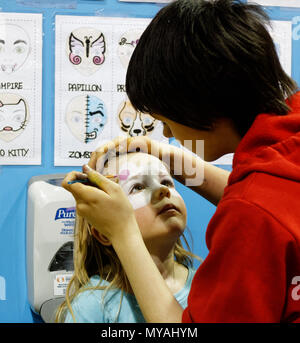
point(245, 277)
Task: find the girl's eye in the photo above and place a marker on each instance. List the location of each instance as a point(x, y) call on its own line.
point(137, 187)
point(167, 183)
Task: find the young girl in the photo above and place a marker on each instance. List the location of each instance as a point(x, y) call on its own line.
point(99, 290)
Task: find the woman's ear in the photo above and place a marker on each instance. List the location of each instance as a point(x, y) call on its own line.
point(100, 238)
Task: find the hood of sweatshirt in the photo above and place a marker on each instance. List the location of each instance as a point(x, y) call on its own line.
point(271, 145)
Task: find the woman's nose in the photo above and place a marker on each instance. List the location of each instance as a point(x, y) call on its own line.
point(160, 193)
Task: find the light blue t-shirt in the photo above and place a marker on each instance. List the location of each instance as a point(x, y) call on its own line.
point(89, 307)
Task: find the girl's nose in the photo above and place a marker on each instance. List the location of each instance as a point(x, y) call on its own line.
point(160, 193)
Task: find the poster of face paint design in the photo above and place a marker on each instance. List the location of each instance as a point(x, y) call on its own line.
point(20, 88)
point(91, 107)
point(281, 33)
point(157, 1)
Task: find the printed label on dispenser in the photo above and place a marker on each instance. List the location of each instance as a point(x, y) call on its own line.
point(66, 217)
point(61, 283)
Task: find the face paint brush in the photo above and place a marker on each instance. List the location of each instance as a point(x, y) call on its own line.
point(88, 182)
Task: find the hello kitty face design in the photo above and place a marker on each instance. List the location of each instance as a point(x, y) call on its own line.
point(13, 119)
point(127, 44)
point(135, 123)
point(86, 50)
point(86, 117)
point(14, 47)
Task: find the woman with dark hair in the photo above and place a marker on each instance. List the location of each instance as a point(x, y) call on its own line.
point(209, 70)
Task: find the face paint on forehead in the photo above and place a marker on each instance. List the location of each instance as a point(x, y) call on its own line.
point(124, 174)
point(150, 168)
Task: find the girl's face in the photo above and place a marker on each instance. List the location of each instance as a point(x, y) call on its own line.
point(159, 209)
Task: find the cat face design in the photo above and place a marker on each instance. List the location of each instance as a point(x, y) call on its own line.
point(86, 117)
point(86, 50)
point(14, 47)
point(135, 123)
point(13, 119)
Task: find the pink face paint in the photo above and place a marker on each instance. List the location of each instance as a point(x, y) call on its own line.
point(124, 174)
point(98, 59)
point(75, 59)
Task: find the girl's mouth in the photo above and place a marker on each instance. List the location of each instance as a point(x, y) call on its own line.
point(168, 208)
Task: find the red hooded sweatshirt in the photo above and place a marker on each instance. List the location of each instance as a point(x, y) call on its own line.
point(252, 271)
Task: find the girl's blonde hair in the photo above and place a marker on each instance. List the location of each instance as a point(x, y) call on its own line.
point(93, 258)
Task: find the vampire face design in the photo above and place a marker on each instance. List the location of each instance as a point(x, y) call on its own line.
point(86, 117)
point(13, 116)
point(135, 123)
point(127, 44)
point(86, 50)
point(14, 48)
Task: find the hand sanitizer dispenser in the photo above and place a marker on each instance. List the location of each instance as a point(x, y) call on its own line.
point(50, 230)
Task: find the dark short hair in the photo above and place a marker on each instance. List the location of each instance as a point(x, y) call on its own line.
point(200, 60)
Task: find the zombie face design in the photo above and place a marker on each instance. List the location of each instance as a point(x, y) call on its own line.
point(127, 44)
point(86, 49)
point(135, 123)
point(86, 117)
point(14, 47)
point(13, 116)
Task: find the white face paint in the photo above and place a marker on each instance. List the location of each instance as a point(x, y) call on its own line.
point(140, 180)
point(14, 47)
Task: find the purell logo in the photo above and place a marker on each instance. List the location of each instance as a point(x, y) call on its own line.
point(65, 213)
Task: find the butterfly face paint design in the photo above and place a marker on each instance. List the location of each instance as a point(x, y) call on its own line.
point(135, 123)
point(127, 44)
point(86, 117)
point(86, 50)
point(14, 47)
point(13, 117)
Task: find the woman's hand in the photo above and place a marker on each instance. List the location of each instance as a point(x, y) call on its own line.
point(106, 207)
point(202, 177)
point(122, 145)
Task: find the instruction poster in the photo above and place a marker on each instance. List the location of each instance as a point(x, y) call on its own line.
point(283, 3)
point(20, 88)
point(91, 106)
point(157, 1)
point(281, 32)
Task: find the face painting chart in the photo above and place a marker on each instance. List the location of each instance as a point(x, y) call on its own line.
point(20, 88)
point(283, 3)
point(91, 106)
